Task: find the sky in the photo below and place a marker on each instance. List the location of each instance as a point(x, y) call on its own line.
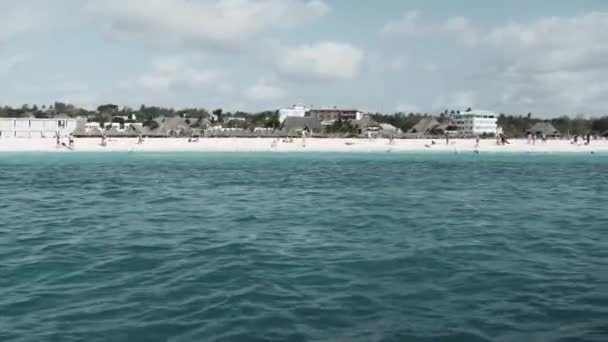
point(548, 57)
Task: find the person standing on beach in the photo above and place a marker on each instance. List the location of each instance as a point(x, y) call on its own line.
point(447, 139)
point(477, 142)
point(58, 139)
point(304, 135)
point(71, 141)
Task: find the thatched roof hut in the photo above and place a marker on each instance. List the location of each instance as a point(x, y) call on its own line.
point(113, 132)
point(545, 129)
point(174, 127)
point(133, 131)
point(429, 126)
point(365, 123)
point(424, 126)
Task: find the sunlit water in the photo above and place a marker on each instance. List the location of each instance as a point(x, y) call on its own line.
point(323, 247)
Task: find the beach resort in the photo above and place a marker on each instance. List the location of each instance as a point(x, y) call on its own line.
point(294, 129)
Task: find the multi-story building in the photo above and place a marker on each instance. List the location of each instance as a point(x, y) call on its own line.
point(334, 114)
point(37, 128)
point(476, 122)
point(295, 111)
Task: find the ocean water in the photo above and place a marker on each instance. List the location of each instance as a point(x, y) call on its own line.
point(303, 247)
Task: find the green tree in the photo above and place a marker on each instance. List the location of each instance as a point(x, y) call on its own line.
point(600, 125)
point(218, 113)
point(108, 108)
point(60, 107)
point(151, 124)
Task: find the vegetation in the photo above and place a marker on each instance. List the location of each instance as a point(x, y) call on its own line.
point(344, 128)
point(513, 124)
point(400, 120)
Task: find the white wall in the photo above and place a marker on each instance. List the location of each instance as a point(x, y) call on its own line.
point(477, 123)
point(35, 128)
point(295, 111)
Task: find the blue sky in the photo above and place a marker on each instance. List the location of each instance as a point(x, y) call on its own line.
point(545, 56)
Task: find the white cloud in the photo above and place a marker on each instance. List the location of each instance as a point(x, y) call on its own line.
point(559, 63)
point(321, 61)
point(413, 24)
point(550, 64)
point(174, 72)
point(407, 24)
point(264, 91)
point(196, 24)
point(553, 44)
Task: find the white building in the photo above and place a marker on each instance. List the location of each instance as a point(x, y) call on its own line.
point(294, 111)
point(476, 122)
point(36, 128)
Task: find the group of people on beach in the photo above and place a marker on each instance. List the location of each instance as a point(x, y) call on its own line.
point(305, 134)
point(105, 140)
point(61, 143)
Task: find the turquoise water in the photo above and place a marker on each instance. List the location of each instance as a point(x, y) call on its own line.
point(304, 247)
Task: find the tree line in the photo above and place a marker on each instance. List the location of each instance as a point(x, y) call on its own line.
point(512, 124)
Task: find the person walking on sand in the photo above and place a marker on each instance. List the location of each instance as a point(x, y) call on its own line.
point(58, 139)
point(588, 138)
point(477, 142)
point(447, 139)
point(140, 140)
point(305, 135)
point(71, 142)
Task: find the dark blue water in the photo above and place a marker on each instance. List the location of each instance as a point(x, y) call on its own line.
point(328, 247)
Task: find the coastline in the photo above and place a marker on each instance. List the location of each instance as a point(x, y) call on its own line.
point(312, 145)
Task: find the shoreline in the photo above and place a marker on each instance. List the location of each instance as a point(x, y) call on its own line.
point(16, 145)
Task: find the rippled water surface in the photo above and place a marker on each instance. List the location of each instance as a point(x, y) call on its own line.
point(306, 247)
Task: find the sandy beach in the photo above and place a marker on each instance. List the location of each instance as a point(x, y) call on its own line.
point(311, 145)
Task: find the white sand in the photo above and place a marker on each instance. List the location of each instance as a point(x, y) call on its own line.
point(313, 145)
